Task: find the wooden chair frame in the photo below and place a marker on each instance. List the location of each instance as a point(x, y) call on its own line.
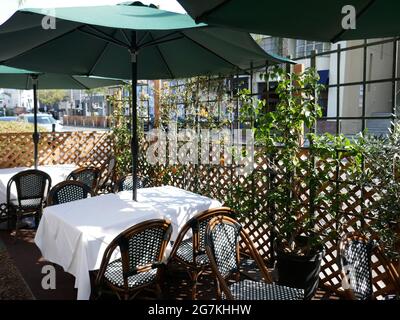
point(18, 210)
point(252, 252)
point(118, 184)
point(107, 175)
point(50, 199)
point(393, 274)
point(94, 187)
point(126, 293)
point(195, 271)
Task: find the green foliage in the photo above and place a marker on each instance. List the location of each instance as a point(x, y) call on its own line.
point(367, 162)
point(51, 97)
point(382, 174)
point(281, 136)
point(122, 135)
point(201, 98)
point(15, 126)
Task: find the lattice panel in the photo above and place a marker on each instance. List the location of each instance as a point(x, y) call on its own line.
point(80, 148)
point(249, 194)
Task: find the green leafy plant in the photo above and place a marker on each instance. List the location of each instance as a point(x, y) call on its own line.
point(382, 175)
point(281, 136)
point(122, 134)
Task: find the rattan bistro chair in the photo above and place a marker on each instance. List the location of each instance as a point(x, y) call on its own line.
point(32, 188)
point(142, 249)
point(126, 183)
point(191, 251)
point(68, 191)
point(222, 247)
point(107, 173)
point(355, 252)
point(88, 176)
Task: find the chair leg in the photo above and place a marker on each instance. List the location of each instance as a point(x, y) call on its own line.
point(160, 284)
point(38, 216)
point(217, 289)
point(9, 217)
point(16, 227)
point(194, 276)
point(158, 290)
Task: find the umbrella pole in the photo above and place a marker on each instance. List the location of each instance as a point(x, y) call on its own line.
point(35, 135)
point(134, 141)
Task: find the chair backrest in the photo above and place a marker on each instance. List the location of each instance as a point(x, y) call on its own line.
point(222, 246)
point(68, 191)
point(198, 225)
point(32, 188)
point(88, 176)
point(142, 248)
point(107, 171)
point(126, 183)
point(355, 261)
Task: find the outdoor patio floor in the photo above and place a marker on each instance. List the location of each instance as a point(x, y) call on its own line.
point(28, 260)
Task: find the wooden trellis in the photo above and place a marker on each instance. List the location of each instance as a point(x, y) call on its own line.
point(80, 148)
point(248, 194)
point(220, 181)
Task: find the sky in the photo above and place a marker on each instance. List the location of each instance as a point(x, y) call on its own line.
point(8, 7)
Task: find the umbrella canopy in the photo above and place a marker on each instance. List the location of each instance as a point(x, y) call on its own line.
point(310, 19)
point(125, 42)
point(26, 80)
point(22, 79)
point(99, 40)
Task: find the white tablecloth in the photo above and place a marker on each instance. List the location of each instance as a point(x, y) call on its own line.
point(57, 173)
point(75, 235)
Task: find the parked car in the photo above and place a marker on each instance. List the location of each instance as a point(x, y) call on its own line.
point(43, 119)
point(8, 118)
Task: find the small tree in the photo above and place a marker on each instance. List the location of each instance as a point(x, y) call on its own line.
point(122, 134)
point(281, 136)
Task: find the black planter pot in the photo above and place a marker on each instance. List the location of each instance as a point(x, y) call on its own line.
point(299, 271)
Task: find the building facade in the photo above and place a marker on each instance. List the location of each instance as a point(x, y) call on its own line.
point(365, 77)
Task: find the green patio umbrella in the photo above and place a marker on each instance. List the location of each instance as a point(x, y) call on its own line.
point(310, 19)
point(126, 42)
point(30, 80)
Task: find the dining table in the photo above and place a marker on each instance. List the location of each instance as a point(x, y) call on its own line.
point(57, 173)
point(75, 235)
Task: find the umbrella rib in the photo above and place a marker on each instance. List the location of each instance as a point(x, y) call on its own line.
point(146, 44)
point(99, 57)
point(80, 83)
point(163, 58)
point(40, 45)
point(360, 13)
point(156, 43)
point(27, 82)
point(209, 11)
point(111, 37)
point(101, 37)
point(125, 35)
point(214, 53)
point(142, 39)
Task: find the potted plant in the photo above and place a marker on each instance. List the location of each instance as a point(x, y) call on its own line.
point(281, 135)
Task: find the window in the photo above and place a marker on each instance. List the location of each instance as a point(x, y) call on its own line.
point(272, 45)
point(304, 47)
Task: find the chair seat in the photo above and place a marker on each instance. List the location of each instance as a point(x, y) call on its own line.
point(113, 274)
point(254, 290)
point(26, 205)
point(185, 253)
